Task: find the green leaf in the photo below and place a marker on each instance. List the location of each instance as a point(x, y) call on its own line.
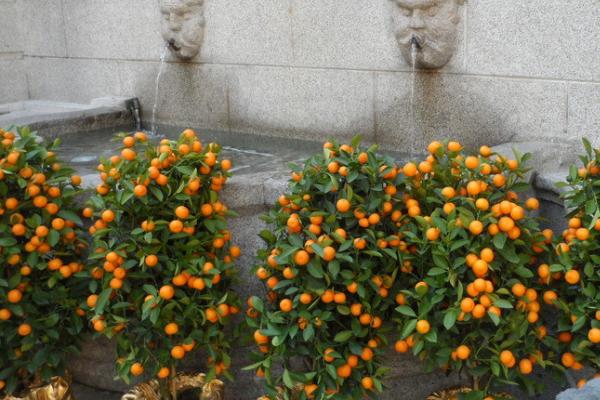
point(343, 336)
point(70, 215)
point(501, 303)
point(102, 300)
point(287, 379)
point(450, 318)
point(499, 240)
point(406, 310)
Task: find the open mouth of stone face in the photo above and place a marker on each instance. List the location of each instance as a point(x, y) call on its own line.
point(173, 46)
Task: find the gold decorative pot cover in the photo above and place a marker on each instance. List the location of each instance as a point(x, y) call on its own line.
point(452, 394)
point(448, 394)
point(57, 389)
point(213, 390)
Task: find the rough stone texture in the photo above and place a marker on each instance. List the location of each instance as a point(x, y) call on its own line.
point(308, 102)
point(433, 27)
point(345, 34)
point(543, 38)
point(13, 82)
point(182, 26)
point(248, 32)
point(10, 29)
point(591, 391)
point(584, 112)
point(77, 80)
point(189, 94)
point(112, 29)
point(474, 110)
point(44, 28)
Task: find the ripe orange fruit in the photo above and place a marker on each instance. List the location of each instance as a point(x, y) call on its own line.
point(136, 368)
point(532, 203)
point(433, 234)
point(448, 192)
point(178, 352)
point(344, 371)
point(471, 162)
point(463, 352)
point(519, 289)
point(163, 373)
point(328, 253)
point(594, 335)
point(568, 359)
point(475, 227)
point(507, 358)
point(285, 305)
point(182, 212)
point(478, 311)
point(454, 146)
point(14, 296)
point(572, 277)
point(343, 205)
point(480, 268)
point(326, 355)
point(401, 346)
point(176, 226)
point(467, 305)
point(410, 169)
point(5, 314)
point(306, 298)
point(423, 326)
point(140, 190)
point(128, 154)
point(525, 366)
point(339, 298)
point(24, 329)
point(99, 325)
point(166, 292)
point(171, 329)
point(487, 255)
point(367, 382)
point(151, 260)
point(301, 258)
point(482, 204)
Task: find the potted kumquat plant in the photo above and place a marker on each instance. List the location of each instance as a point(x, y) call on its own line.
point(576, 273)
point(41, 248)
point(162, 258)
point(473, 302)
point(329, 265)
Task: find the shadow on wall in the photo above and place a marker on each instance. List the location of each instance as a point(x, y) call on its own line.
point(443, 106)
point(189, 94)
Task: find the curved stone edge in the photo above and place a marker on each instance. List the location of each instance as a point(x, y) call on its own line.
point(591, 391)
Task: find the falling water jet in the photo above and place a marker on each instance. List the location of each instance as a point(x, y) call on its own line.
point(413, 59)
point(163, 57)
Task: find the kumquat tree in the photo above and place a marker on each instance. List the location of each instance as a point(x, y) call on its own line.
point(474, 299)
point(577, 273)
point(162, 261)
point(41, 247)
point(329, 265)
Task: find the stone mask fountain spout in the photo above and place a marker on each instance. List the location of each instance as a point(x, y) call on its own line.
point(427, 31)
point(182, 26)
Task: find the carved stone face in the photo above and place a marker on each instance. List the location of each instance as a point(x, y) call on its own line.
point(182, 26)
point(432, 24)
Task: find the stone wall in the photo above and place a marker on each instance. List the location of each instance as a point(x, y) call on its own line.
point(523, 70)
point(13, 81)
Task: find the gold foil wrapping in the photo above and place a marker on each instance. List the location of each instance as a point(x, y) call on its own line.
point(213, 390)
point(448, 394)
point(452, 394)
point(58, 389)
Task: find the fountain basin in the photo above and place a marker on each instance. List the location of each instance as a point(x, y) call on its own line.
point(51, 117)
point(260, 176)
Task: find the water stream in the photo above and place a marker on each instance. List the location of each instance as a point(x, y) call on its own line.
point(163, 57)
point(413, 59)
